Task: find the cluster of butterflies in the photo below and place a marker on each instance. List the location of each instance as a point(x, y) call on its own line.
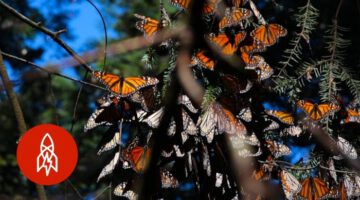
point(193, 148)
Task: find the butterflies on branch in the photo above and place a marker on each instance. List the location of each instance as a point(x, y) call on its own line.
point(124, 87)
point(316, 112)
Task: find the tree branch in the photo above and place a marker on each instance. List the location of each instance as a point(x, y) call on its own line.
point(52, 34)
point(18, 113)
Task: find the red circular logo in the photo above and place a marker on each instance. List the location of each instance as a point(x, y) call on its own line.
point(47, 154)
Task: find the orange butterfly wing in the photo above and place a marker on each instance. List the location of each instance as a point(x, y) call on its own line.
point(317, 112)
point(234, 17)
point(320, 188)
point(268, 34)
point(284, 117)
point(124, 87)
point(209, 7)
point(224, 43)
point(140, 158)
point(203, 60)
point(254, 47)
point(306, 190)
point(147, 25)
point(184, 4)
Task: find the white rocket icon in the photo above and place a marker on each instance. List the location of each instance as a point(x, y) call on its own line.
point(47, 158)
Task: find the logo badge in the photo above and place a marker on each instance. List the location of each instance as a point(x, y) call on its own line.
point(47, 154)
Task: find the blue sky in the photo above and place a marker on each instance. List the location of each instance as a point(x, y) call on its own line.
point(84, 25)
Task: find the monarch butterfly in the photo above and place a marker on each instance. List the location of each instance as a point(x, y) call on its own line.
point(263, 70)
point(254, 47)
point(278, 149)
point(184, 100)
point(109, 168)
point(202, 59)
point(233, 17)
point(147, 25)
point(251, 60)
point(332, 172)
point(268, 34)
point(167, 179)
point(272, 126)
point(113, 142)
point(138, 156)
point(292, 130)
point(120, 192)
point(103, 116)
point(353, 115)
point(245, 114)
point(238, 3)
point(183, 4)
point(346, 148)
point(290, 184)
point(124, 87)
point(317, 112)
point(209, 7)
point(217, 120)
point(284, 117)
point(313, 188)
point(227, 47)
point(154, 119)
point(145, 97)
point(244, 153)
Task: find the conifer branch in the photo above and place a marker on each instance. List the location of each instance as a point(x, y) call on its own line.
point(306, 20)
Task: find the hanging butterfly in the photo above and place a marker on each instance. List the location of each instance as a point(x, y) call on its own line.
point(353, 115)
point(202, 59)
point(109, 168)
point(346, 148)
point(217, 120)
point(138, 156)
point(313, 188)
point(111, 144)
point(210, 7)
point(245, 114)
point(168, 180)
point(184, 100)
point(257, 13)
point(120, 192)
point(145, 97)
point(292, 131)
point(233, 17)
point(277, 149)
point(103, 116)
point(251, 60)
point(317, 112)
point(284, 117)
point(253, 47)
point(268, 34)
point(183, 4)
point(332, 171)
point(124, 87)
point(154, 119)
point(189, 127)
point(290, 184)
point(227, 46)
point(272, 126)
point(148, 26)
point(263, 70)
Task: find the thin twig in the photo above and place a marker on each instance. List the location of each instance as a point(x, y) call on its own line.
point(52, 34)
point(52, 73)
point(18, 113)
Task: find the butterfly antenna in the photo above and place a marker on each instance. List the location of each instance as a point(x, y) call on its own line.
point(105, 32)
